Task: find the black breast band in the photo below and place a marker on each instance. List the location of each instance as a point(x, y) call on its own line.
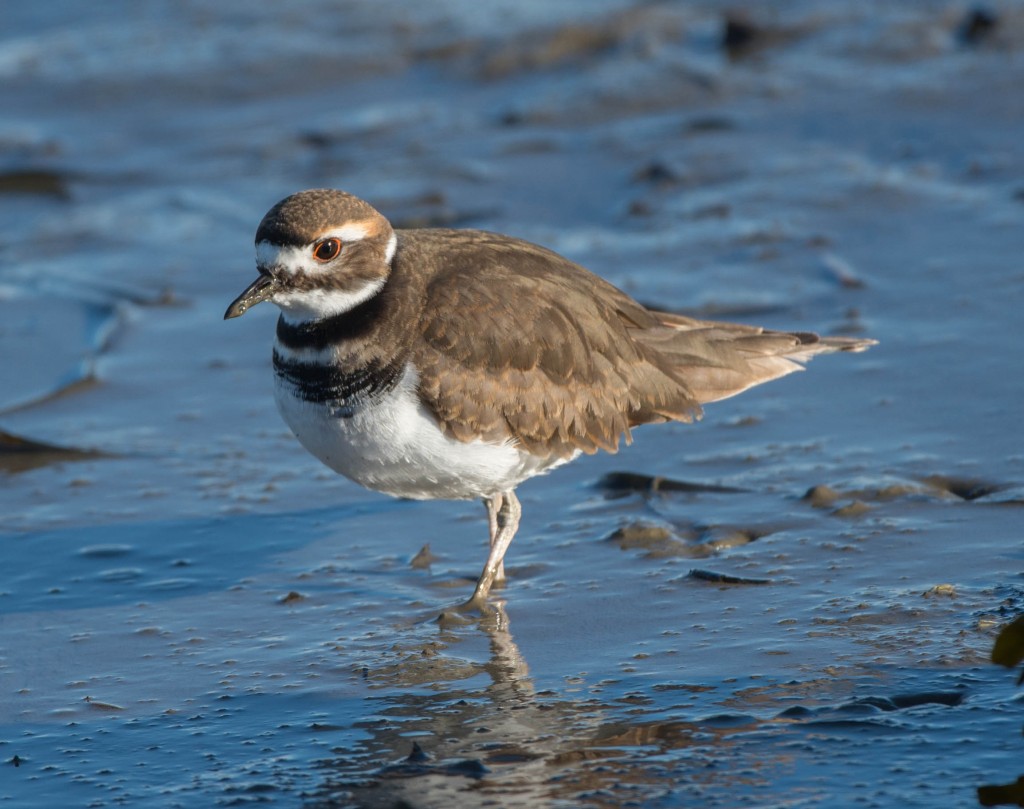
point(322, 384)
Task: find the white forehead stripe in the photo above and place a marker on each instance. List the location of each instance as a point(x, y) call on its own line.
point(291, 259)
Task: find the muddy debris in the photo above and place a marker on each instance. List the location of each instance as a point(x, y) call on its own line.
point(723, 578)
point(871, 706)
point(639, 208)
point(901, 702)
point(1011, 794)
point(100, 705)
point(724, 537)
point(743, 37)
point(569, 45)
point(964, 488)
point(640, 535)
point(657, 541)
point(441, 217)
point(661, 542)
point(929, 488)
point(420, 765)
point(433, 210)
point(977, 26)
point(637, 31)
point(423, 559)
point(533, 51)
point(821, 496)
point(710, 124)
point(573, 44)
point(39, 182)
point(858, 508)
point(840, 270)
point(893, 491)
point(19, 454)
point(739, 35)
point(656, 172)
point(622, 484)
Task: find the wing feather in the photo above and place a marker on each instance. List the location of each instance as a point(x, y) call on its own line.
point(542, 352)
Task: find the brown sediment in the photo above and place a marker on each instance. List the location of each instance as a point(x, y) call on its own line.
point(19, 454)
point(658, 542)
point(964, 488)
point(821, 496)
point(423, 559)
point(857, 508)
point(723, 578)
point(42, 182)
point(623, 483)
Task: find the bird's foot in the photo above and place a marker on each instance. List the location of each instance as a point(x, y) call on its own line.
point(475, 610)
point(465, 613)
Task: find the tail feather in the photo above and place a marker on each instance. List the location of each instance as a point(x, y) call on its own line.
point(717, 360)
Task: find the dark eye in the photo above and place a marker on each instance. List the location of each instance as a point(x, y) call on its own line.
point(327, 250)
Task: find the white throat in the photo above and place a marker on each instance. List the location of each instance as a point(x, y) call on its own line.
point(317, 304)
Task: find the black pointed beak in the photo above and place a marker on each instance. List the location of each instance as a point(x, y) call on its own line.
point(258, 291)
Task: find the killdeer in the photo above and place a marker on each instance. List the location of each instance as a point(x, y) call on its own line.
point(456, 364)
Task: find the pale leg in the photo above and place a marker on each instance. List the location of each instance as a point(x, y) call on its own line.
point(507, 511)
point(493, 506)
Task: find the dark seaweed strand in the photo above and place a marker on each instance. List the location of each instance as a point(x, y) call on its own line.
point(320, 334)
point(323, 384)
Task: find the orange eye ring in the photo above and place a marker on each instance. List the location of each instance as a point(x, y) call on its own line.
point(327, 250)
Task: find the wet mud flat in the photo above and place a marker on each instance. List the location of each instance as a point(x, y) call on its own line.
point(790, 603)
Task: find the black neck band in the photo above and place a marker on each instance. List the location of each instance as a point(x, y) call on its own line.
point(319, 334)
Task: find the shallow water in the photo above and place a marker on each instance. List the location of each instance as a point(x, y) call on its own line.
point(194, 612)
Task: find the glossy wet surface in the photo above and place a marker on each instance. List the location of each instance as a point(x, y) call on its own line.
point(789, 604)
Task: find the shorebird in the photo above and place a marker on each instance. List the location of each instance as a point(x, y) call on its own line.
point(455, 364)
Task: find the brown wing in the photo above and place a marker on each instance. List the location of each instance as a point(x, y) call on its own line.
point(520, 343)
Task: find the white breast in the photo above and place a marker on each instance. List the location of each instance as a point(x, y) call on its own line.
point(394, 445)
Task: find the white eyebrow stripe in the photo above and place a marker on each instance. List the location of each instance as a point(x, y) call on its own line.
point(350, 232)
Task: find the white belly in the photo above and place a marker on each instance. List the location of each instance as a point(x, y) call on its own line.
point(395, 446)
